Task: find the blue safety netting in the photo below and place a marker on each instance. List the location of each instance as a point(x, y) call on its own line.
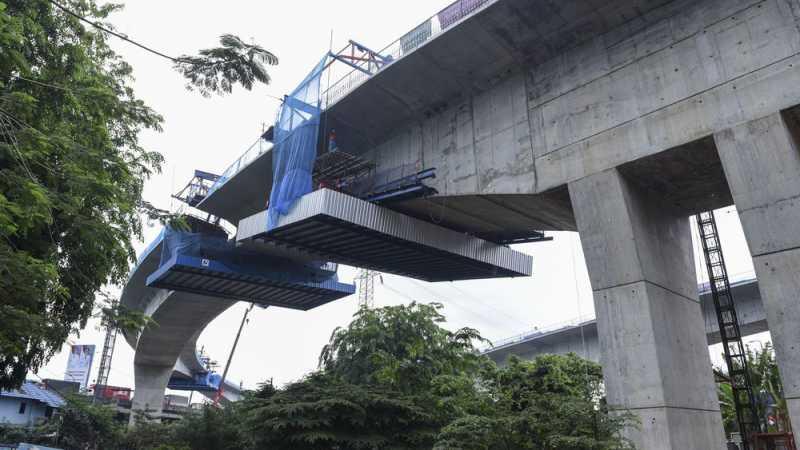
point(296, 135)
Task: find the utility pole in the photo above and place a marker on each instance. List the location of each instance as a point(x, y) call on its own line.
point(366, 288)
point(230, 356)
point(107, 355)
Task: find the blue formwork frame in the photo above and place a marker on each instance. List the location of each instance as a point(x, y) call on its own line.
point(215, 279)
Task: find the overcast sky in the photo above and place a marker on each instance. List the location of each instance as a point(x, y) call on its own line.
point(209, 134)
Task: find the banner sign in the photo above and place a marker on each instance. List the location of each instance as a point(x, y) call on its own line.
point(79, 364)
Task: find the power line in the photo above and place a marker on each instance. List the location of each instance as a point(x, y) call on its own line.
point(120, 36)
point(488, 305)
point(76, 90)
point(113, 33)
point(578, 298)
point(451, 301)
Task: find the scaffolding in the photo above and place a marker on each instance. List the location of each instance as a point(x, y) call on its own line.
point(366, 288)
point(107, 355)
point(730, 334)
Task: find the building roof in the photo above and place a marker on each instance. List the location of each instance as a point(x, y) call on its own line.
point(32, 391)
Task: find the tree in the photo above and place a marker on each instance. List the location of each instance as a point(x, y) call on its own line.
point(83, 425)
point(402, 347)
point(71, 176)
point(395, 378)
point(553, 402)
point(325, 412)
point(767, 387)
point(71, 167)
point(391, 379)
point(212, 429)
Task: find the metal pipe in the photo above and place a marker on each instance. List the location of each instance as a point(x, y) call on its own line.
point(230, 356)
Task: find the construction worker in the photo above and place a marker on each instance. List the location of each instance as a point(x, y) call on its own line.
point(332, 141)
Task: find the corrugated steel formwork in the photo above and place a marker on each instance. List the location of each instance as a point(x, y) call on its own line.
point(348, 230)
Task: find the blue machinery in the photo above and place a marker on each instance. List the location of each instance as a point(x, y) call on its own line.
point(201, 382)
point(211, 265)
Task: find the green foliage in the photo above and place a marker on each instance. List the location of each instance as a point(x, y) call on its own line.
point(395, 379)
point(552, 402)
point(324, 412)
point(116, 315)
point(767, 387)
point(82, 425)
point(212, 429)
point(217, 69)
point(71, 176)
point(402, 347)
point(728, 408)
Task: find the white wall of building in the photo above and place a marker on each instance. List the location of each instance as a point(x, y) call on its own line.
point(9, 411)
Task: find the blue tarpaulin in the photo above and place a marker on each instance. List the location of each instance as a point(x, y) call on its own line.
point(296, 135)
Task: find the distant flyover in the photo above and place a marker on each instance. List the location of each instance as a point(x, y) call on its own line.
point(580, 337)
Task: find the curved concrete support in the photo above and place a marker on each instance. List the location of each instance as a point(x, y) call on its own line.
point(167, 347)
point(150, 382)
point(164, 348)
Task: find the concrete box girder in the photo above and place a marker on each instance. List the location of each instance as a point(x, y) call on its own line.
point(243, 194)
point(667, 76)
point(471, 56)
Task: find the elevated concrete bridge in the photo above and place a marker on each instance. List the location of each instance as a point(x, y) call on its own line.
point(580, 336)
point(617, 119)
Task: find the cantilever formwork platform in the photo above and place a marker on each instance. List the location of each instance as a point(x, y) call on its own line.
point(215, 279)
point(344, 229)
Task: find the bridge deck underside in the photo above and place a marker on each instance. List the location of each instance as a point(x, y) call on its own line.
point(245, 193)
point(347, 230)
point(189, 275)
point(363, 247)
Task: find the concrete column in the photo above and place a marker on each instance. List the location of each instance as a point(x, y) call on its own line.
point(650, 324)
point(150, 383)
point(762, 164)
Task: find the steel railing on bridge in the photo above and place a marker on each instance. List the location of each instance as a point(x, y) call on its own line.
point(541, 331)
point(254, 151)
point(427, 30)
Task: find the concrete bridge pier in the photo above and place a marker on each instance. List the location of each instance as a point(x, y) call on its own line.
point(762, 165)
point(150, 382)
point(650, 324)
